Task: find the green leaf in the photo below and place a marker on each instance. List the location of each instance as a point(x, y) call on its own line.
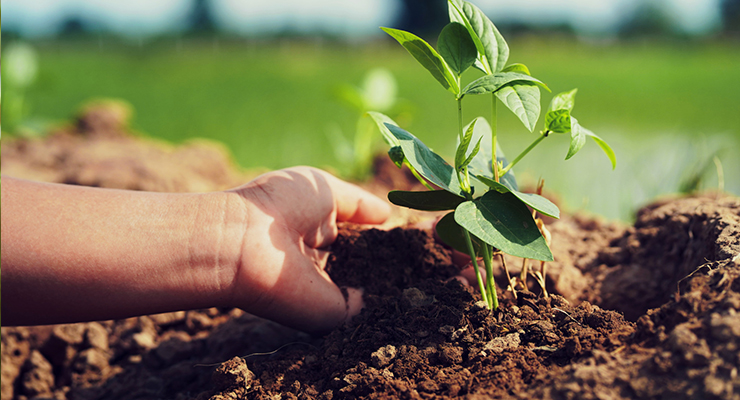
point(482, 163)
point(380, 120)
point(517, 67)
point(605, 147)
point(426, 162)
point(480, 131)
point(472, 155)
point(523, 99)
point(493, 52)
point(427, 57)
point(492, 83)
point(396, 155)
point(537, 202)
point(503, 221)
point(462, 147)
point(558, 121)
point(563, 101)
point(451, 233)
point(456, 47)
point(577, 138)
point(430, 200)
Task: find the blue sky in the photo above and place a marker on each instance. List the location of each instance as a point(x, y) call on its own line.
point(343, 17)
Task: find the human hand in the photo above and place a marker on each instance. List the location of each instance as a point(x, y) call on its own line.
point(292, 217)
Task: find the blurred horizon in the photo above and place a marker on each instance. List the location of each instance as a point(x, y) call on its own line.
point(142, 19)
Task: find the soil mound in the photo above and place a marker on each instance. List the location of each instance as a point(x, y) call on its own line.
point(641, 312)
point(99, 149)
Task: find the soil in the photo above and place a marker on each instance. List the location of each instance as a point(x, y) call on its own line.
point(646, 311)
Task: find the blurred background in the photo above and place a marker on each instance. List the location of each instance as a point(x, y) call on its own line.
point(286, 82)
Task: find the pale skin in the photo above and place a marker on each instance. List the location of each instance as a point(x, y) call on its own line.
point(72, 253)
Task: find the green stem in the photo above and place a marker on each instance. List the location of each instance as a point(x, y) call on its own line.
point(524, 153)
point(490, 284)
point(417, 176)
point(494, 132)
point(462, 174)
point(474, 259)
point(460, 133)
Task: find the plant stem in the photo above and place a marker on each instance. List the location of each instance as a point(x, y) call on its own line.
point(494, 129)
point(459, 120)
point(462, 174)
point(417, 176)
point(490, 284)
point(474, 259)
point(524, 153)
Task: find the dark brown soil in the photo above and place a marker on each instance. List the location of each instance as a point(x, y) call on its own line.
point(648, 311)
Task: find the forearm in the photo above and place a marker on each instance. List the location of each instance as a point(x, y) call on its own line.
point(98, 254)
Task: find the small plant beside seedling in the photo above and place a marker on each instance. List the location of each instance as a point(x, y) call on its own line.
point(377, 92)
point(488, 215)
point(19, 72)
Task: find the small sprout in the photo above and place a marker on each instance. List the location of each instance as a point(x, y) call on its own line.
point(488, 215)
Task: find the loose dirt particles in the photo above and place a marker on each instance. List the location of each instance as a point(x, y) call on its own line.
point(641, 312)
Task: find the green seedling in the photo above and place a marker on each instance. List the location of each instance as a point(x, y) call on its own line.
point(488, 215)
point(378, 92)
point(19, 71)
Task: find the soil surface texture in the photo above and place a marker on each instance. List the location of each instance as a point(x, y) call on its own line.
point(648, 311)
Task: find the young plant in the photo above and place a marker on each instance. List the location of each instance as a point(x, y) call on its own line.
point(488, 215)
point(20, 68)
point(378, 92)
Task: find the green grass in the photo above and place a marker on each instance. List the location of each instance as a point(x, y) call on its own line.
point(663, 107)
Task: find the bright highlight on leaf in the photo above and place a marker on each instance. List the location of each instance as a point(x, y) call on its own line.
point(563, 101)
point(494, 82)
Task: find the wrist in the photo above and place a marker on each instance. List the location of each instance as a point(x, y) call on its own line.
point(215, 246)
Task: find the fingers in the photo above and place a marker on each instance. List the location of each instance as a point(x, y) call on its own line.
point(324, 235)
point(315, 305)
point(354, 204)
point(351, 204)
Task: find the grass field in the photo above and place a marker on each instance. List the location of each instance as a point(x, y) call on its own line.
point(665, 108)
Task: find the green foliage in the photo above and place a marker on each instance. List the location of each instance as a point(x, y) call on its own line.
point(558, 119)
point(490, 213)
point(504, 222)
point(494, 82)
point(537, 202)
point(523, 99)
point(461, 161)
point(493, 52)
point(457, 48)
point(451, 233)
point(378, 92)
point(426, 162)
point(19, 72)
point(425, 54)
point(432, 200)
